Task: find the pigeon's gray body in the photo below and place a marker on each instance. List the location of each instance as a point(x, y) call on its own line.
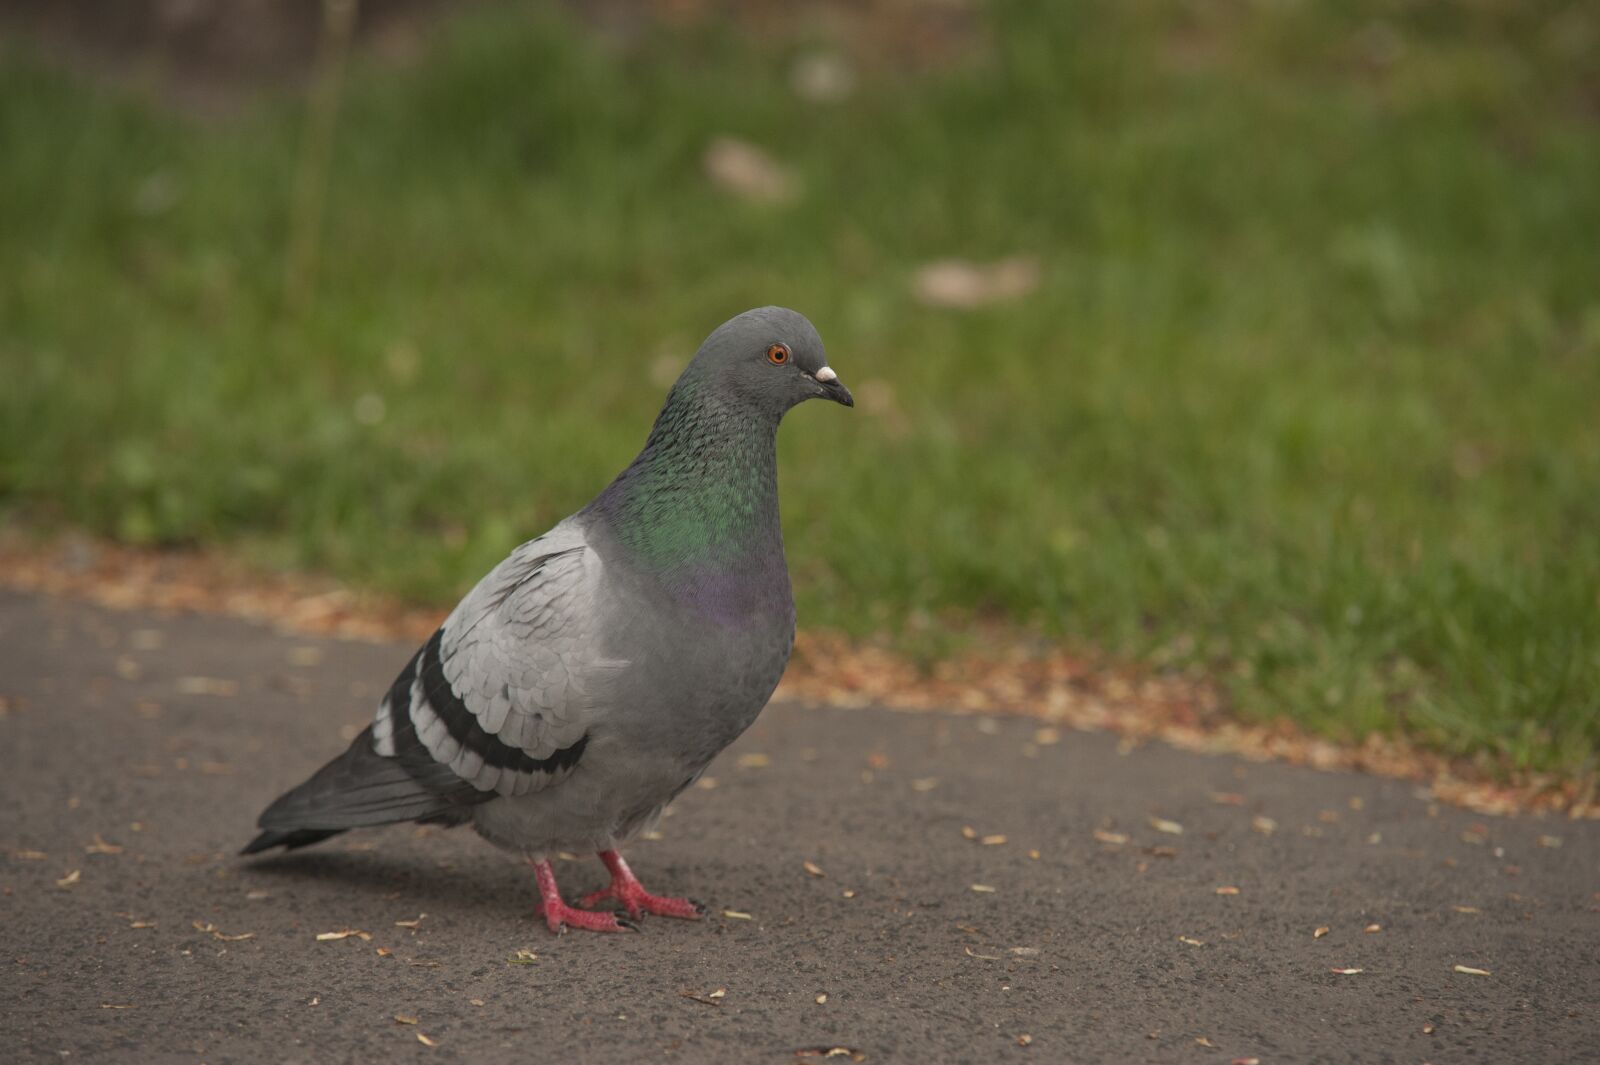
point(594, 673)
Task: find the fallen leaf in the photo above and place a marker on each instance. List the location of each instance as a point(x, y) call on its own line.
point(207, 686)
point(29, 856)
point(1373, 929)
point(1203, 1041)
point(232, 939)
point(925, 784)
point(425, 1041)
point(404, 1018)
point(813, 868)
point(1347, 972)
point(345, 933)
point(1428, 1029)
point(737, 915)
point(822, 997)
point(384, 952)
point(983, 889)
point(1264, 825)
point(413, 924)
point(706, 783)
point(1116, 839)
point(1227, 890)
point(141, 924)
point(1192, 941)
point(702, 999)
point(749, 172)
point(116, 1006)
point(1470, 971)
point(1025, 952)
point(1161, 824)
point(961, 284)
point(70, 879)
point(100, 846)
point(830, 1052)
point(974, 954)
point(754, 761)
point(522, 957)
point(1245, 1061)
point(1024, 1039)
point(1227, 798)
point(1466, 909)
point(1550, 841)
point(968, 832)
point(992, 841)
point(823, 77)
point(476, 1001)
point(1320, 931)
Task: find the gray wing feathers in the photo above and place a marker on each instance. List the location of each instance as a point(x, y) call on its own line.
point(499, 702)
point(519, 653)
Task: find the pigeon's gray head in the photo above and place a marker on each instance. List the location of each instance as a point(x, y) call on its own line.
point(771, 359)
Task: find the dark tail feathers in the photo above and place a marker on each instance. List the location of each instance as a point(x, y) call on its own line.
point(357, 789)
point(301, 837)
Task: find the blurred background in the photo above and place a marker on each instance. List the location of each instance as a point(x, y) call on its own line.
point(1257, 342)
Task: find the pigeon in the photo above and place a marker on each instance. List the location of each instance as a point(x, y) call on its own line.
point(594, 673)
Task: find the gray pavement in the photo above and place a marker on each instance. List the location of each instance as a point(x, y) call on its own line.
point(165, 736)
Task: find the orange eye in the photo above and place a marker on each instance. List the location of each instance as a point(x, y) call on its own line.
point(778, 354)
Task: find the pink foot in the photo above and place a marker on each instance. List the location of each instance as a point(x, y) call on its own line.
point(626, 889)
point(558, 916)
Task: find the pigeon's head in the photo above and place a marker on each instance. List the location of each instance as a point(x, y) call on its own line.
point(770, 358)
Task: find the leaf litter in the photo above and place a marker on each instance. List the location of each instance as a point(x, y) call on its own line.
point(1063, 686)
point(216, 933)
point(344, 933)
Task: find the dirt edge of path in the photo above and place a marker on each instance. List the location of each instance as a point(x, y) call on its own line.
point(1002, 675)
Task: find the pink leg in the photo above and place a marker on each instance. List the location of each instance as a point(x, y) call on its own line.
point(627, 890)
point(559, 916)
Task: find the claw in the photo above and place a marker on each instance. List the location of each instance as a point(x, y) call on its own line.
point(627, 890)
point(559, 917)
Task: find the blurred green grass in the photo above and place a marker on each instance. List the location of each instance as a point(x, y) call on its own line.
point(1308, 399)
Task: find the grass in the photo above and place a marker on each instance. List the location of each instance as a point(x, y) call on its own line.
point(1306, 398)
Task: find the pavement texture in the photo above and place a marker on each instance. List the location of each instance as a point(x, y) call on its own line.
point(138, 750)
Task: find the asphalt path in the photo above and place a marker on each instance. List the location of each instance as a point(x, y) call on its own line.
point(969, 895)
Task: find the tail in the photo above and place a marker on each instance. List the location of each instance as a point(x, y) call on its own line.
point(302, 837)
point(359, 788)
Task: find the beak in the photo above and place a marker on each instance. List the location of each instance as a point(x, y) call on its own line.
point(830, 387)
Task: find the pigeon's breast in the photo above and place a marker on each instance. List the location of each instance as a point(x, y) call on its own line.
point(705, 655)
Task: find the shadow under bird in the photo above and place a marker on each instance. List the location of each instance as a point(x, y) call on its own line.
point(593, 674)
